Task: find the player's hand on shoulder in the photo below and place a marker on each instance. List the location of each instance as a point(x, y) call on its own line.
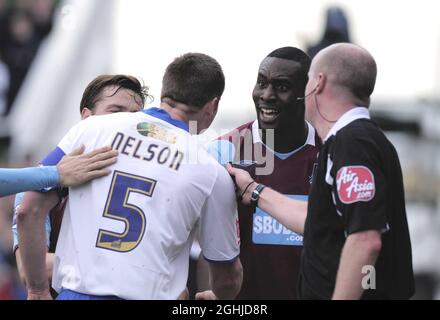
point(77, 168)
point(206, 295)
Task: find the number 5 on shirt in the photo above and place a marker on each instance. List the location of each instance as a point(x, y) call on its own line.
point(118, 208)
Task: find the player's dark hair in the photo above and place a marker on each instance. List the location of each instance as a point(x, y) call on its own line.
point(93, 93)
point(298, 56)
point(193, 79)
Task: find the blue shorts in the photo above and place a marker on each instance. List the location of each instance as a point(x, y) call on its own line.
point(72, 295)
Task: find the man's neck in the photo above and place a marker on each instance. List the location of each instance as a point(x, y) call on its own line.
point(323, 129)
point(176, 110)
point(288, 139)
point(329, 113)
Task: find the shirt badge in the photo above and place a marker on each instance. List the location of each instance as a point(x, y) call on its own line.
point(154, 131)
point(354, 184)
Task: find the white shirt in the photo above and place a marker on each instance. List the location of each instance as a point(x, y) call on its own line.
point(129, 234)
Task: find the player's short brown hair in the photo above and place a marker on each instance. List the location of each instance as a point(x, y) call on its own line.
point(93, 92)
point(193, 79)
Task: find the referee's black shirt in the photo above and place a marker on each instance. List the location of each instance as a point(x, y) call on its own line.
point(358, 187)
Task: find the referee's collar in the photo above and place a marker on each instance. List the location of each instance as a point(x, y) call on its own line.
point(165, 116)
point(354, 114)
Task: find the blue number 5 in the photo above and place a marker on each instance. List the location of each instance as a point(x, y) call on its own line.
point(117, 208)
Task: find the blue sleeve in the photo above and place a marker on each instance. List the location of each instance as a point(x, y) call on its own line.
point(18, 200)
point(27, 179)
point(53, 157)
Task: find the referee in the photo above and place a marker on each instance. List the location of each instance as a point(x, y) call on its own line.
point(356, 238)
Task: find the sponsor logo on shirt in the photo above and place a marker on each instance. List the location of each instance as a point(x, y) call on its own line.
point(156, 132)
point(354, 184)
point(267, 230)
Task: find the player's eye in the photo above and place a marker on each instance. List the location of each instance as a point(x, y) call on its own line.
point(115, 110)
point(281, 87)
point(262, 83)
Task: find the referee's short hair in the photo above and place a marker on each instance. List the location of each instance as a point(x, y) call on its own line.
point(351, 67)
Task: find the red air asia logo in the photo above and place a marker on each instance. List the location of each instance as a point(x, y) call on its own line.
point(355, 183)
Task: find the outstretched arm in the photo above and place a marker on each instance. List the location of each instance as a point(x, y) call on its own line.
point(289, 212)
point(18, 180)
point(77, 168)
point(74, 169)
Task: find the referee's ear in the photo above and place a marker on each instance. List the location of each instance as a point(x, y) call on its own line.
point(85, 113)
point(322, 82)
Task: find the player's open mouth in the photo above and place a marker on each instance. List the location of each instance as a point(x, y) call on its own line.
point(268, 115)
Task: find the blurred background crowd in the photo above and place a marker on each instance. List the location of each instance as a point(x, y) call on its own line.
point(24, 24)
point(50, 50)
